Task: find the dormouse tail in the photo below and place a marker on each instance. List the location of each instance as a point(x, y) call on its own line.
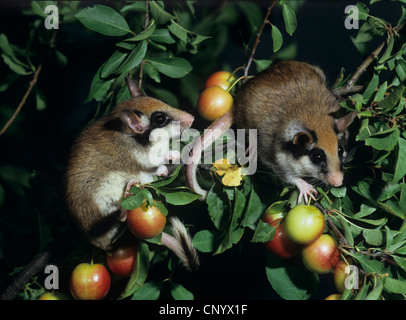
point(181, 244)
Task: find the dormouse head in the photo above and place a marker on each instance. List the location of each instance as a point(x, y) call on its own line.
point(143, 117)
point(318, 152)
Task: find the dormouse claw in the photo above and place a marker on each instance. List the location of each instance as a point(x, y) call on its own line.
point(306, 190)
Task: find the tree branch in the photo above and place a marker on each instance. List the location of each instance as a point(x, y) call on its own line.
point(254, 48)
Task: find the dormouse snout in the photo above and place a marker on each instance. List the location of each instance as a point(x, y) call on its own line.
point(335, 178)
point(188, 120)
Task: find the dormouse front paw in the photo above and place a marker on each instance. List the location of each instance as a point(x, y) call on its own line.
point(305, 190)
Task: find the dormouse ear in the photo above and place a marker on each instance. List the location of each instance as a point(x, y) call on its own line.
point(343, 122)
point(132, 121)
point(302, 138)
point(133, 88)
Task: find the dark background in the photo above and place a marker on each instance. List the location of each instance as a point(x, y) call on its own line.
point(39, 141)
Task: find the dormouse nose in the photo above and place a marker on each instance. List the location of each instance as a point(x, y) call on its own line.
point(335, 178)
point(187, 120)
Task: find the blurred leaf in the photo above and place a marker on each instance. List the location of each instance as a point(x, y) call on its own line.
point(277, 38)
point(289, 281)
point(104, 20)
point(264, 232)
point(179, 292)
point(140, 271)
point(159, 14)
point(289, 16)
point(400, 169)
point(148, 291)
point(144, 34)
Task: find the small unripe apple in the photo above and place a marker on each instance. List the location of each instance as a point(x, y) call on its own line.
point(222, 79)
point(214, 102)
point(52, 296)
point(340, 275)
point(146, 221)
point(281, 245)
point(90, 281)
point(304, 224)
point(334, 296)
point(122, 260)
point(322, 255)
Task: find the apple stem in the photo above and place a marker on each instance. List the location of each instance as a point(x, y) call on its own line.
point(236, 81)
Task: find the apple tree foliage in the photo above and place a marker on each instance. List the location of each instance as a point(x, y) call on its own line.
point(170, 50)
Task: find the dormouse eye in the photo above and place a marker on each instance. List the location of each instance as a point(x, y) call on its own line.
point(159, 119)
point(317, 156)
point(340, 151)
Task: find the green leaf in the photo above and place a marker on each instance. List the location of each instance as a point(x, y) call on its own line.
point(395, 286)
point(289, 281)
point(373, 237)
point(104, 20)
point(140, 271)
point(370, 89)
point(264, 232)
point(276, 38)
point(384, 140)
point(148, 291)
point(144, 34)
point(99, 86)
point(234, 232)
point(113, 63)
point(254, 211)
point(289, 17)
point(216, 205)
point(17, 68)
point(159, 14)
point(163, 36)
point(172, 67)
point(400, 169)
point(179, 292)
point(262, 64)
point(135, 58)
point(391, 101)
point(134, 201)
point(205, 241)
point(375, 294)
point(179, 196)
point(166, 180)
point(253, 13)
point(400, 68)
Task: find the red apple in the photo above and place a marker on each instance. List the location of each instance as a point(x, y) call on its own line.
point(146, 222)
point(340, 275)
point(322, 255)
point(304, 224)
point(122, 260)
point(90, 281)
point(280, 245)
point(214, 102)
point(222, 79)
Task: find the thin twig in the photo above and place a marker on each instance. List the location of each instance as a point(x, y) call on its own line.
point(350, 85)
point(27, 93)
point(254, 48)
point(23, 100)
